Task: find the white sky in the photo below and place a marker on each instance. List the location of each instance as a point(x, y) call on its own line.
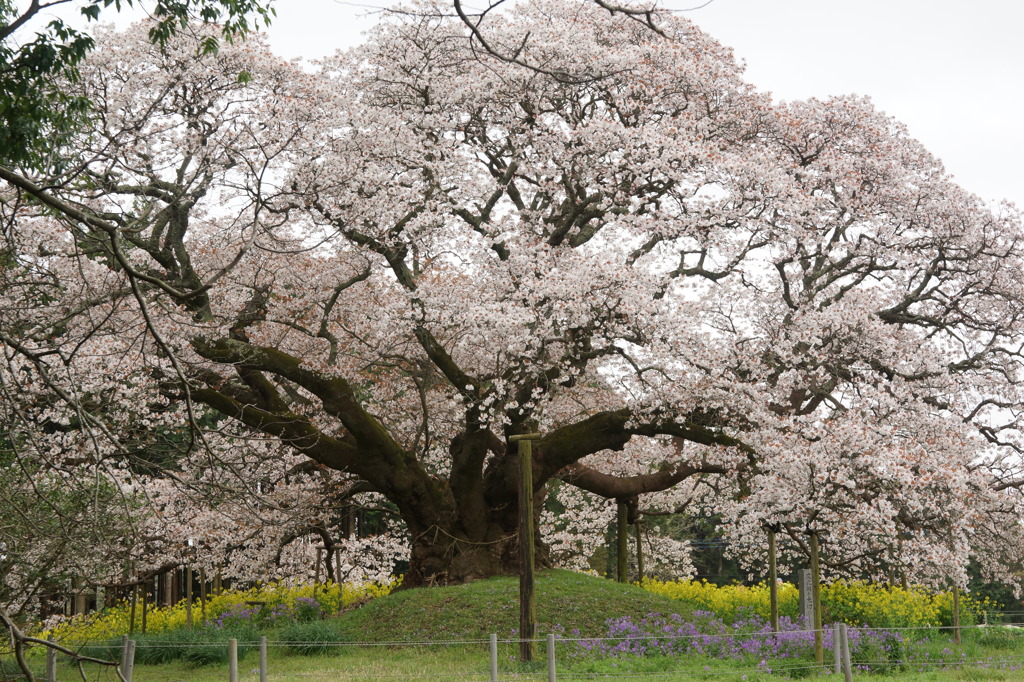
point(952, 71)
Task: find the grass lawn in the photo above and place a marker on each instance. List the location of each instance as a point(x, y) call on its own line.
point(440, 633)
point(471, 663)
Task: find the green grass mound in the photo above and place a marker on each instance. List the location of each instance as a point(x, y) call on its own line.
point(565, 601)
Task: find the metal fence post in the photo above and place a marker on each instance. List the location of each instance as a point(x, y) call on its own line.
point(263, 659)
point(494, 657)
point(233, 660)
point(551, 658)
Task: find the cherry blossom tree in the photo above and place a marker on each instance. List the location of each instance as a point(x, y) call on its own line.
point(384, 269)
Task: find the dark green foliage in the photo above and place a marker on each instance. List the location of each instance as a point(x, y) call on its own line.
point(1001, 596)
point(162, 647)
point(206, 646)
point(315, 638)
point(197, 647)
point(9, 669)
point(35, 115)
point(109, 650)
point(1003, 638)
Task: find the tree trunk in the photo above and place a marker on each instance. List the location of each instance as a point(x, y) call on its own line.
point(467, 528)
point(447, 555)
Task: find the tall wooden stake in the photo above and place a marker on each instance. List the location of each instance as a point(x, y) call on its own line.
point(622, 545)
point(819, 647)
point(145, 601)
point(903, 570)
point(527, 596)
point(773, 580)
point(316, 572)
point(188, 596)
point(639, 552)
point(956, 612)
point(202, 592)
point(131, 617)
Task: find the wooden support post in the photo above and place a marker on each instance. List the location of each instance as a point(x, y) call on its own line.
point(316, 572)
point(145, 601)
point(188, 597)
point(622, 544)
point(202, 593)
point(819, 650)
point(956, 612)
point(346, 522)
point(131, 613)
point(168, 580)
point(903, 569)
point(81, 603)
point(773, 580)
point(527, 596)
point(639, 552)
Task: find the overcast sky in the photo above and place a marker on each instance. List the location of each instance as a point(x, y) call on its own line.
point(952, 71)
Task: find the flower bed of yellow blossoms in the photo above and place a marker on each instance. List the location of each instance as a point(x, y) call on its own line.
point(852, 602)
point(115, 620)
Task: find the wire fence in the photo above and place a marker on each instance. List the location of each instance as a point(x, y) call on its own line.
point(656, 654)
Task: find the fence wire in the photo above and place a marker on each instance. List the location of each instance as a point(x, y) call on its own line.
point(570, 652)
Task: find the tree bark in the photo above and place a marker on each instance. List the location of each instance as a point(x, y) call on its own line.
point(461, 528)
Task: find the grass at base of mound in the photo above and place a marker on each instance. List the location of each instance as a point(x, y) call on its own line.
point(565, 601)
point(470, 662)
